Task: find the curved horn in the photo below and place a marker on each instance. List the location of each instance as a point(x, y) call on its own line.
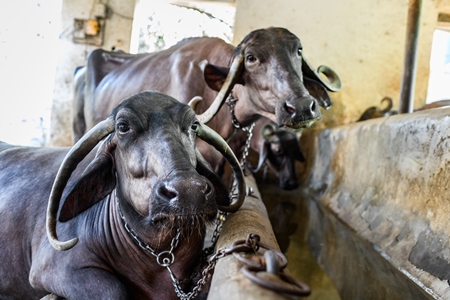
point(263, 152)
point(389, 104)
point(267, 131)
point(70, 162)
point(225, 90)
point(334, 83)
point(213, 138)
point(194, 101)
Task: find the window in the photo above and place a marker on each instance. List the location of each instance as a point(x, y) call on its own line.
point(439, 81)
point(160, 24)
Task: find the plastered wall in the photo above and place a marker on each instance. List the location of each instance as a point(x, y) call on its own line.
point(363, 41)
point(117, 34)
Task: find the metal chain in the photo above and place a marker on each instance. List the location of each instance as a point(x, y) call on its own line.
point(206, 274)
point(231, 103)
point(167, 258)
point(249, 130)
point(166, 261)
point(221, 217)
point(250, 244)
point(170, 257)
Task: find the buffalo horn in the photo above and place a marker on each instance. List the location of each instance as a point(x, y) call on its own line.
point(267, 132)
point(262, 158)
point(214, 139)
point(76, 154)
point(225, 90)
point(334, 83)
point(194, 101)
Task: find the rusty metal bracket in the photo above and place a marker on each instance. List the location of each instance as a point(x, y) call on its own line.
point(256, 261)
point(280, 282)
point(266, 270)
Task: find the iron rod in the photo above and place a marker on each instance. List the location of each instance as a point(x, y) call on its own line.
point(410, 62)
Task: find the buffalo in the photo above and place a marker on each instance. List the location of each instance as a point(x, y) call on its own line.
point(266, 75)
point(278, 149)
point(133, 212)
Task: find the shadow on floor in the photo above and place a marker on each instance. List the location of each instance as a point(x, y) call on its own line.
point(288, 214)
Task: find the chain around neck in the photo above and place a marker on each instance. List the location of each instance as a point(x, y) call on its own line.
point(167, 258)
point(164, 258)
point(231, 102)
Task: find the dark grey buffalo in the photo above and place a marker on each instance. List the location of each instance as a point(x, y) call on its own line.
point(133, 210)
point(278, 149)
point(265, 75)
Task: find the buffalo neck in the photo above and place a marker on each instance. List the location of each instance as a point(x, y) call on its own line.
point(222, 121)
point(245, 110)
point(147, 275)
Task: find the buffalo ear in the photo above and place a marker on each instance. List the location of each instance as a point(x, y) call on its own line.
point(215, 76)
point(204, 169)
point(96, 182)
point(318, 91)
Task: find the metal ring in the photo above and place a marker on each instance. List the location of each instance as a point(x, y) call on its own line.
point(260, 265)
point(243, 246)
point(272, 263)
point(295, 287)
point(167, 260)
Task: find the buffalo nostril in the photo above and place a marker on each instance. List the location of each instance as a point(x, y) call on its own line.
point(313, 106)
point(166, 194)
point(207, 190)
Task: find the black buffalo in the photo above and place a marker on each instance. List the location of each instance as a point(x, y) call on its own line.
point(147, 192)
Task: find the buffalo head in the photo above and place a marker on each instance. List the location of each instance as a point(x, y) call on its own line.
point(280, 149)
point(149, 160)
point(272, 74)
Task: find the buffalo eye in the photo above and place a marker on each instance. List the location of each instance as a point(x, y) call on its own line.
point(123, 127)
point(251, 58)
point(299, 51)
point(195, 125)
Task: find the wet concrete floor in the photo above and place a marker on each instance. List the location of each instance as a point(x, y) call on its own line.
point(288, 213)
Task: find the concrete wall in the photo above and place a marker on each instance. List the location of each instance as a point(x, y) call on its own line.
point(117, 34)
point(363, 41)
point(379, 209)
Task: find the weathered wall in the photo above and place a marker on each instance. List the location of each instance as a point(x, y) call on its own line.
point(117, 34)
point(385, 181)
point(363, 41)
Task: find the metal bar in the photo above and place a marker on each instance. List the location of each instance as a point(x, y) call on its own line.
point(410, 62)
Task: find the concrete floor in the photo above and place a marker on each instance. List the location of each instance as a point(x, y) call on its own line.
point(288, 213)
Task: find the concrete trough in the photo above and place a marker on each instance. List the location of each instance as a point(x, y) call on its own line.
point(378, 203)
